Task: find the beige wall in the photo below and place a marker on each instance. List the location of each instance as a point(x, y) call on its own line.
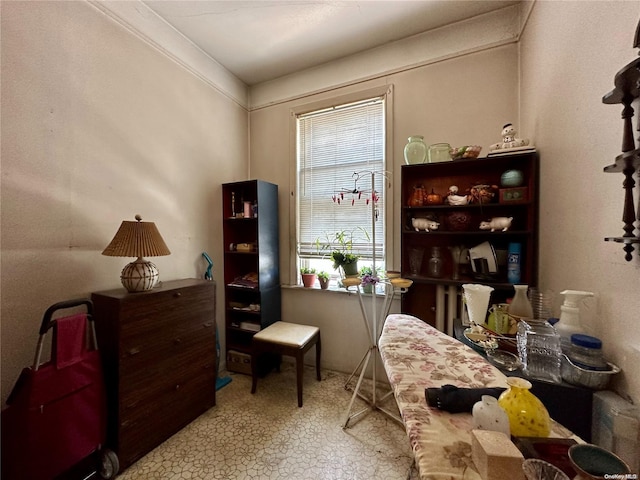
point(96, 127)
point(463, 100)
point(570, 52)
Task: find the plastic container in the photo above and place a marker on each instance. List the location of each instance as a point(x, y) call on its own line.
point(569, 322)
point(513, 262)
point(616, 426)
point(586, 352)
point(539, 350)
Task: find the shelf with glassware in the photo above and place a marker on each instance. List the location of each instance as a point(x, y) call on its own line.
point(251, 274)
point(460, 219)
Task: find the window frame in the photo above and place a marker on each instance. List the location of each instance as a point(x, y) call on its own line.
point(385, 91)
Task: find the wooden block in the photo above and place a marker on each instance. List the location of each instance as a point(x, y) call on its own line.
point(495, 456)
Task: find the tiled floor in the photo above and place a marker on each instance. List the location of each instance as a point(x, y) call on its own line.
point(266, 436)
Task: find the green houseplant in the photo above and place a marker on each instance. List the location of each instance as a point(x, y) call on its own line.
point(308, 276)
point(323, 278)
point(369, 279)
point(340, 246)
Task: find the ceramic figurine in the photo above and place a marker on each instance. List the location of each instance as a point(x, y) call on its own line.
point(509, 139)
point(497, 223)
point(488, 415)
point(424, 224)
point(454, 199)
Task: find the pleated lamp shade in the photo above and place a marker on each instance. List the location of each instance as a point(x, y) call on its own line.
point(138, 239)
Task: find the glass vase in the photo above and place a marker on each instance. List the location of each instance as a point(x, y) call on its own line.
point(520, 306)
point(415, 260)
point(415, 151)
point(435, 263)
point(528, 417)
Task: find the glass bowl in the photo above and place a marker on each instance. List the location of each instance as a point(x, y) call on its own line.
point(535, 469)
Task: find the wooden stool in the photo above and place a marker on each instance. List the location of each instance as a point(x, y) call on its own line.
point(290, 339)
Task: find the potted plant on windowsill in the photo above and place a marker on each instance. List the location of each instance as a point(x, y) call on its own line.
point(348, 262)
point(308, 276)
point(323, 278)
point(368, 279)
point(341, 247)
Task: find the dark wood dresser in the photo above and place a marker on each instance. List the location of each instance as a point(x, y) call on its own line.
point(159, 355)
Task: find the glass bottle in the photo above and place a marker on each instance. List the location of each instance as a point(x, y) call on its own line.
point(415, 260)
point(415, 151)
point(498, 320)
point(528, 417)
point(417, 197)
point(520, 306)
point(435, 263)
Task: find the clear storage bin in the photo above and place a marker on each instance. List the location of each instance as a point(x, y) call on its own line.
point(539, 350)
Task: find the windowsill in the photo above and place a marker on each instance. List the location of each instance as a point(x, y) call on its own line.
point(332, 289)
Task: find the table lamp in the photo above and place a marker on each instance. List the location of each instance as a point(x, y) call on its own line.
point(138, 239)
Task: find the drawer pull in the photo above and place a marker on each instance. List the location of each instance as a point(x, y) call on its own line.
point(208, 324)
point(177, 387)
point(177, 341)
point(177, 294)
point(133, 351)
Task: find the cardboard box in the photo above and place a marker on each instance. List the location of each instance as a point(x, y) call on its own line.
point(495, 456)
point(239, 362)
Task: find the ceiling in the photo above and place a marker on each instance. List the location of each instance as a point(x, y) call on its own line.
point(261, 40)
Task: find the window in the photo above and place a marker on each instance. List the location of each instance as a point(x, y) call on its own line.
point(338, 150)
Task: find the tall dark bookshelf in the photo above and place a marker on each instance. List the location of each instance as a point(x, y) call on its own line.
point(251, 265)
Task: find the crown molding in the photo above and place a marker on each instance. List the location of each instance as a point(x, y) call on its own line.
point(479, 33)
point(145, 24)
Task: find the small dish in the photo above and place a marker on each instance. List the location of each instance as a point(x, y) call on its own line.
point(480, 341)
point(468, 151)
point(504, 360)
point(535, 469)
point(401, 282)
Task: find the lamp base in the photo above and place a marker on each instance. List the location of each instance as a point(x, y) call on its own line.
point(139, 276)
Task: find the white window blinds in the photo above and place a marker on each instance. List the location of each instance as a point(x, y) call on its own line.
point(333, 145)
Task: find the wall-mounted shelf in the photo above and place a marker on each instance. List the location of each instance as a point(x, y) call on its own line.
point(626, 91)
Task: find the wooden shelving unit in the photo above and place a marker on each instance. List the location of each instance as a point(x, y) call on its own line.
point(251, 265)
point(421, 299)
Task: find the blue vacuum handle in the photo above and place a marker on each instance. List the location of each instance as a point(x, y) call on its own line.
point(208, 274)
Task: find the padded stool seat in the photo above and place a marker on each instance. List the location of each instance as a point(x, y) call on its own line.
point(284, 338)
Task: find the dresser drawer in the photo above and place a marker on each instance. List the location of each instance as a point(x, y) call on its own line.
point(142, 351)
point(141, 374)
point(150, 423)
point(166, 311)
